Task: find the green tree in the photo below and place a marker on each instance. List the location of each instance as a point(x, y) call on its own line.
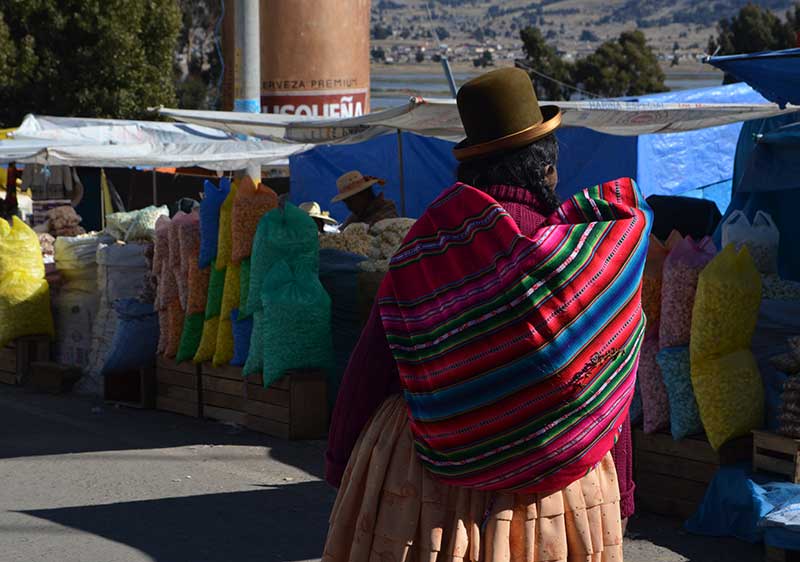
point(755, 29)
point(98, 58)
point(625, 67)
point(544, 59)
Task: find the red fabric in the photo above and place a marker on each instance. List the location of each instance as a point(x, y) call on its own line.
point(372, 376)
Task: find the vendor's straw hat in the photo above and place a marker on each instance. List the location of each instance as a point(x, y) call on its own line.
point(315, 212)
point(499, 111)
point(354, 182)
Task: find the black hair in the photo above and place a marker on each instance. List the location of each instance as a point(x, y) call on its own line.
point(524, 167)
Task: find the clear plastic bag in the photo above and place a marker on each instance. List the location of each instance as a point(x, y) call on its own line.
point(297, 332)
point(213, 198)
point(251, 203)
point(762, 238)
point(657, 253)
point(678, 287)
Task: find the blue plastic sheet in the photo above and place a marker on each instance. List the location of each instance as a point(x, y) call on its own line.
point(775, 74)
point(737, 503)
point(429, 167)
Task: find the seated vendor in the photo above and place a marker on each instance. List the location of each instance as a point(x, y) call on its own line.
point(322, 218)
point(355, 189)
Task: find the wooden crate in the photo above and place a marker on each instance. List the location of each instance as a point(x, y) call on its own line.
point(53, 378)
point(178, 388)
point(294, 407)
point(672, 476)
point(777, 454)
point(16, 358)
point(774, 554)
point(223, 393)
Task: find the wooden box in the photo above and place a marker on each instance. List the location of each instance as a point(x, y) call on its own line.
point(53, 378)
point(294, 407)
point(223, 393)
point(16, 358)
point(777, 454)
point(672, 476)
point(774, 554)
point(178, 387)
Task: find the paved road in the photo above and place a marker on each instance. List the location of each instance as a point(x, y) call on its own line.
point(81, 482)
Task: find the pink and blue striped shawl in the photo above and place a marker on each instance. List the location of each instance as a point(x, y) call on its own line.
point(518, 353)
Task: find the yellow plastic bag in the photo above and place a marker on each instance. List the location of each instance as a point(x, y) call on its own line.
point(730, 396)
point(251, 203)
point(24, 293)
point(208, 341)
point(230, 301)
point(225, 238)
point(726, 305)
point(725, 376)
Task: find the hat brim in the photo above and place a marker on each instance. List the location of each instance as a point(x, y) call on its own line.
point(551, 121)
point(353, 191)
point(326, 220)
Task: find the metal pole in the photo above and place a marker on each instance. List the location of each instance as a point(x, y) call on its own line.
point(248, 99)
point(448, 73)
point(402, 172)
point(155, 188)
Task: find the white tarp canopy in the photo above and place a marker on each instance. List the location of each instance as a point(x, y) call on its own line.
point(68, 141)
point(439, 118)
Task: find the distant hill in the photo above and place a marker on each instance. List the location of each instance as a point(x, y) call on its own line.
point(574, 26)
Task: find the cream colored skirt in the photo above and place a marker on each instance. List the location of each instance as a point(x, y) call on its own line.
point(390, 510)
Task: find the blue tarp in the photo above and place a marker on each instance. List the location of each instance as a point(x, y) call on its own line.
point(775, 74)
point(767, 178)
point(736, 504)
point(696, 163)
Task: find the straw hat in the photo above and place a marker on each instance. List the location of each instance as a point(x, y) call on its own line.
point(354, 182)
point(499, 111)
point(315, 212)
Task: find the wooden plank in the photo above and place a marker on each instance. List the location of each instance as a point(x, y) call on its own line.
point(223, 414)
point(663, 444)
point(267, 411)
point(773, 464)
point(171, 365)
point(191, 409)
point(281, 384)
point(308, 406)
point(8, 359)
point(224, 372)
point(655, 484)
point(649, 462)
point(737, 450)
point(268, 427)
point(8, 378)
point(663, 505)
point(224, 386)
point(775, 442)
point(177, 378)
point(178, 393)
point(221, 400)
point(270, 395)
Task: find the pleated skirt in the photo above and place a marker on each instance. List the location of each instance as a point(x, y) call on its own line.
point(389, 509)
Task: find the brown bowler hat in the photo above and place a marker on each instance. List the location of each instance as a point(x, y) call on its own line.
point(499, 111)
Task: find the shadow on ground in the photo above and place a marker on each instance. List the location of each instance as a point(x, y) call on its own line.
point(57, 425)
point(650, 535)
point(282, 523)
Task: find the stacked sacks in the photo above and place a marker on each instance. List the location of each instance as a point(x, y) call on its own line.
point(290, 308)
point(76, 299)
point(655, 406)
point(725, 376)
point(122, 272)
point(24, 292)
point(218, 260)
point(250, 204)
point(160, 259)
point(175, 273)
point(197, 291)
point(223, 349)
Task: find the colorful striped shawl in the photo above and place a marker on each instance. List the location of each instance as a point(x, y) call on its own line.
point(518, 354)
